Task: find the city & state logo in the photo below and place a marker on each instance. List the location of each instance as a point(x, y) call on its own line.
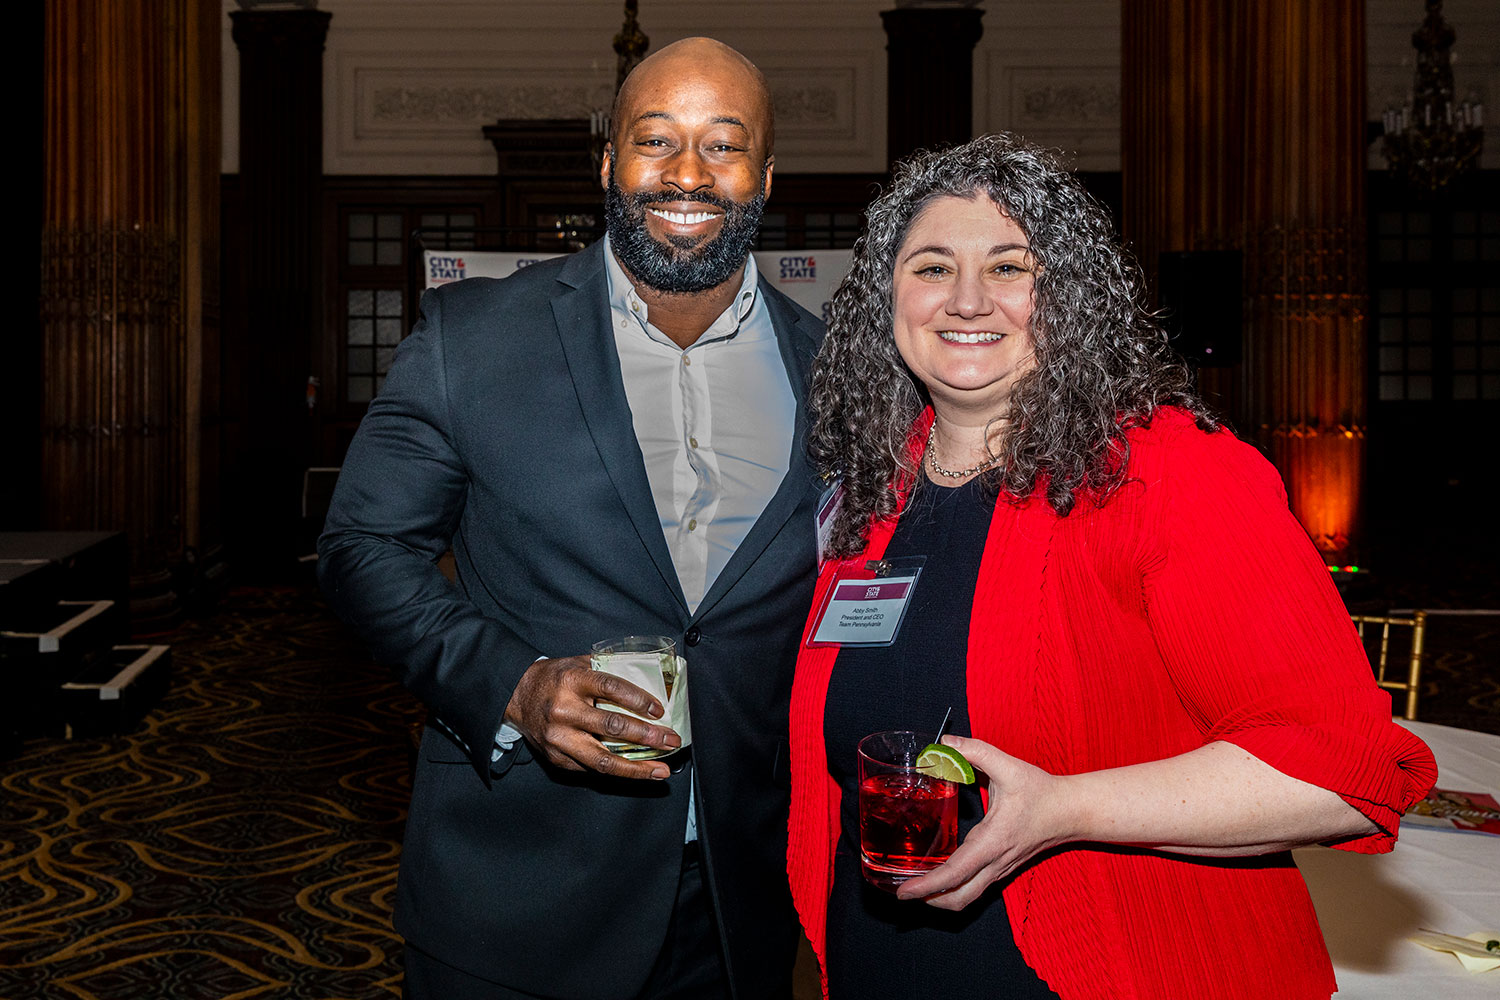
point(799, 269)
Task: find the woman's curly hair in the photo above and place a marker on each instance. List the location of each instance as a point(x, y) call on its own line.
point(1102, 362)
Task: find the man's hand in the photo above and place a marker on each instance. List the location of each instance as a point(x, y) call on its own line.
point(553, 707)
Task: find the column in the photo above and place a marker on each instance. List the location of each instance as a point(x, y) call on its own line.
point(1243, 128)
point(20, 376)
point(281, 175)
point(930, 77)
point(128, 222)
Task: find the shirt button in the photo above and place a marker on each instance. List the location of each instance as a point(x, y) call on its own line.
point(693, 441)
point(692, 636)
point(687, 360)
point(693, 524)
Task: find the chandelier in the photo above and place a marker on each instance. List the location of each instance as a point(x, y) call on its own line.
point(1431, 140)
point(630, 48)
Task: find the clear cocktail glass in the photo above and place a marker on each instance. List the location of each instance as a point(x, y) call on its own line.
point(649, 662)
point(908, 819)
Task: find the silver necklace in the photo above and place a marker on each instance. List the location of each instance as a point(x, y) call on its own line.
point(932, 462)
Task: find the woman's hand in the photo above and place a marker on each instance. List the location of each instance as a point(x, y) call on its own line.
point(1215, 801)
point(1027, 813)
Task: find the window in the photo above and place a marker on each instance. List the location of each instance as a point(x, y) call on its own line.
point(1435, 307)
point(773, 231)
point(372, 320)
point(373, 329)
point(1476, 343)
point(831, 229)
point(452, 220)
point(1434, 372)
point(565, 231)
point(366, 300)
point(375, 239)
point(1404, 352)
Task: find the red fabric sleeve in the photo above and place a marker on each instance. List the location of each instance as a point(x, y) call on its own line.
point(1257, 640)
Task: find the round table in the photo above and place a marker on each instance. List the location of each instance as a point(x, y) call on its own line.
point(1436, 879)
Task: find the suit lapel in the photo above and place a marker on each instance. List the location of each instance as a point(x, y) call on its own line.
point(581, 311)
point(797, 350)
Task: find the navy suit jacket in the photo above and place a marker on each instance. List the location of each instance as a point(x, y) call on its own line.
point(503, 431)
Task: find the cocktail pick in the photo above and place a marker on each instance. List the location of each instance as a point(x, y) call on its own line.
point(943, 728)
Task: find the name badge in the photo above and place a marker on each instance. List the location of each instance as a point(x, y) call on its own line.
point(828, 509)
point(866, 604)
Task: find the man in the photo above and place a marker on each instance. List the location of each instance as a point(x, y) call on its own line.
point(611, 443)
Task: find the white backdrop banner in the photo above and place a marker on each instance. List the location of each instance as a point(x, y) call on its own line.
point(443, 266)
point(807, 277)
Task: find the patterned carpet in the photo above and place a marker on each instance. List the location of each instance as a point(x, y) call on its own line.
point(242, 841)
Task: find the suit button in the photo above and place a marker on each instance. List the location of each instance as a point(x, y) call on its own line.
point(692, 635)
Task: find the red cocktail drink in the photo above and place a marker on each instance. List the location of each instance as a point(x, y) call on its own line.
point(908, 825)
point(908, 821)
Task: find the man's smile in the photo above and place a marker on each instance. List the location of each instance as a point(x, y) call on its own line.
point(683, 218)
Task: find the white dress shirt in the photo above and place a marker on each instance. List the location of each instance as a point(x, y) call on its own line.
point(715, 425)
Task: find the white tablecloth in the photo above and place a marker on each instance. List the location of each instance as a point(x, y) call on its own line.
point(1444, 881)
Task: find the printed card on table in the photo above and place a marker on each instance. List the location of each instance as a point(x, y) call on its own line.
point(1446, 809)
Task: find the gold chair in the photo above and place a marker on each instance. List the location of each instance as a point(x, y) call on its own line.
point(1412, 682)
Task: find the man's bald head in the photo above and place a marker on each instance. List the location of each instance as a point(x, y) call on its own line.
point(688, 169)
point(650, 87)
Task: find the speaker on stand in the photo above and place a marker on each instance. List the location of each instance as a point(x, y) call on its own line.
point(1201, 296)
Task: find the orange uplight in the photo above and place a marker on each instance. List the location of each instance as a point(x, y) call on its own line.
point(1323, 475)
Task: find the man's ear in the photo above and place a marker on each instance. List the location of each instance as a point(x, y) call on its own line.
point(770, 169)
point(604, 162)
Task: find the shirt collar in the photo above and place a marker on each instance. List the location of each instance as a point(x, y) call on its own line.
point(624, 301)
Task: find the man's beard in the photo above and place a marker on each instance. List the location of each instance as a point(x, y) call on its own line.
point(682, 264)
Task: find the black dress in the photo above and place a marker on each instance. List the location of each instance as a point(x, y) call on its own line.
point(879, 946)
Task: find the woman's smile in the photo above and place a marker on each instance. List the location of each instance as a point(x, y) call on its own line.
point(962, 304)
point(962, 337)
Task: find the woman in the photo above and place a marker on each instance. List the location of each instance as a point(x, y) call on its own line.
point(1162, 687)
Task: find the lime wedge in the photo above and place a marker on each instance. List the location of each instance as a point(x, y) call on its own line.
point(942, 761)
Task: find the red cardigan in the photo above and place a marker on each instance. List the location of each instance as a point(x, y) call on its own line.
point(1190, 608)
